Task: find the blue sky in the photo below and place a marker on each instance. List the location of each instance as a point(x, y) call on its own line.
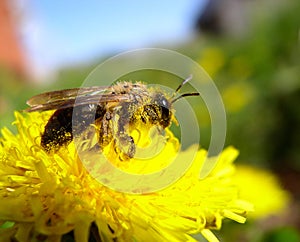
point(72, 31)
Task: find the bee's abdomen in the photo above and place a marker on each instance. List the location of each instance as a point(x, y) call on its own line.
point(60, 127)
point(58, 130)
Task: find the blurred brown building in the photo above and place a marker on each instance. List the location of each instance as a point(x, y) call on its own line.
point(12, 54)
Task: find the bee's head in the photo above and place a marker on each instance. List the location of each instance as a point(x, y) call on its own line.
point(164, 106)
point(160, 110)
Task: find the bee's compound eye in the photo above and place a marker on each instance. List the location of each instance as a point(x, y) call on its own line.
point(165, 116)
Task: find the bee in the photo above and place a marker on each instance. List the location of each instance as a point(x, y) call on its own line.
point(114, 109)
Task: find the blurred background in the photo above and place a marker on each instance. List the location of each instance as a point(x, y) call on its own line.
point(250, 48)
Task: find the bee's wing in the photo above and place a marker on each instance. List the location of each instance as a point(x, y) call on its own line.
point(73, 97)
point(49, 97)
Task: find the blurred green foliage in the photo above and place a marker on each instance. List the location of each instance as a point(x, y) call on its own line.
point(260, 71)
point(285, 234)
point(13, 94)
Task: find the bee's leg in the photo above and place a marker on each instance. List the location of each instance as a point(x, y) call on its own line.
point(124, 142)
point(105, 133)
point(125, 146)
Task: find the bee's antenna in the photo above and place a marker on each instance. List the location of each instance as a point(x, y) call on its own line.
point(185, 95)
point(181, 85)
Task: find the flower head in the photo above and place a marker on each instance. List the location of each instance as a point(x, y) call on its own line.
point(48, 195)
point(263, 190)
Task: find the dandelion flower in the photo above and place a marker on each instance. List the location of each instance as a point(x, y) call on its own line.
point(45, 196)
point(262, 189)
point(212, 60)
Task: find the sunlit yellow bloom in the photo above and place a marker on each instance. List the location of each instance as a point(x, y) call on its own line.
point(49, 195)
point(237, 96)
point(212, 60)
point(262, 189)
point(240, 68)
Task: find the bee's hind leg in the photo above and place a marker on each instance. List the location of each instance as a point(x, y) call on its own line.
point(125, 146)
point(124, 143)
